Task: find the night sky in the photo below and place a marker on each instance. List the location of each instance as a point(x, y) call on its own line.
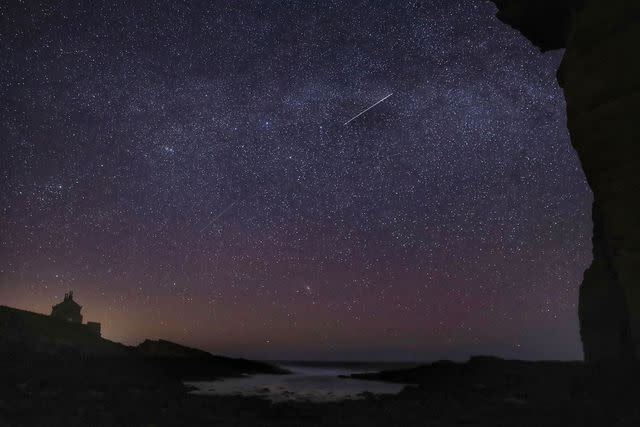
point(184, 168)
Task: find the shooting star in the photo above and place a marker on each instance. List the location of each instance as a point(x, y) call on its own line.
point(364, 111)
point(222, 212)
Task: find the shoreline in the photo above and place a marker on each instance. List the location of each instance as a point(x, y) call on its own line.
point(317, 383)
point(483, 391)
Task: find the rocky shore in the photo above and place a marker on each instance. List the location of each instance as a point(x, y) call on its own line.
point(482, 392)
point(52, 376)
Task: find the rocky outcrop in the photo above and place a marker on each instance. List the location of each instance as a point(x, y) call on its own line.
point(32, 342)
point(189, 363)
point(600, 76)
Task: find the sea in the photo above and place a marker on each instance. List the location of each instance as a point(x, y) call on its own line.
point(308, 381)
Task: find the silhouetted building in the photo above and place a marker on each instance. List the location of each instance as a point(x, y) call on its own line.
point(68, 310)
point(94, 327)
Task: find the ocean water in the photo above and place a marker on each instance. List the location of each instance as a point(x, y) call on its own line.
point(313, 383)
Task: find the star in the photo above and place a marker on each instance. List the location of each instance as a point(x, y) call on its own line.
point(198, 184)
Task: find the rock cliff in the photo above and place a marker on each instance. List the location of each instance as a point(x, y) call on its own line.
point(600, 76)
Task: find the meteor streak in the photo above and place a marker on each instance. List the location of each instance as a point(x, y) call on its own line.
point(364, 111)
point(219, 215)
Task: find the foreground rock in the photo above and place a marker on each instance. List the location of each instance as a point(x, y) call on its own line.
point(482, 392)
point(600, 75)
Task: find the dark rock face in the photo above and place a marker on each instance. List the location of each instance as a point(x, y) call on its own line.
point(600, 76)
point(545, 22)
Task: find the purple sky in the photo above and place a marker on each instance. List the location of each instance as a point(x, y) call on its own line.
point(184, 168)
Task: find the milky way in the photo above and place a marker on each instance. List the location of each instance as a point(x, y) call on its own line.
point(184, 168)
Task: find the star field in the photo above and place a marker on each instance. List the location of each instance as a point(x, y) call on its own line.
point(184, 168)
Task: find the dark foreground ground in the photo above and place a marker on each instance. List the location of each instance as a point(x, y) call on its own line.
point(481, 392)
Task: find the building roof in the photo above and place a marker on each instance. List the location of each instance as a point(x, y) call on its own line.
point(68, 302)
